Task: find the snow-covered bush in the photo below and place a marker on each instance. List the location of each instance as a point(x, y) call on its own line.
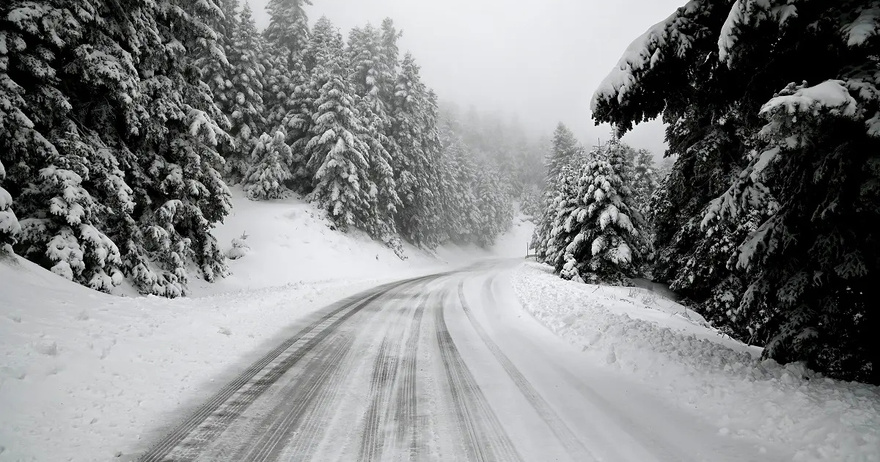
point(240, 248)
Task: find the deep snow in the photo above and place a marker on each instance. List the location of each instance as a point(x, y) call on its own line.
point(86, 376)
point(675, 352)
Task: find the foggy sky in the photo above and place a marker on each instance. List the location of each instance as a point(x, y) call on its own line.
point(538, 61)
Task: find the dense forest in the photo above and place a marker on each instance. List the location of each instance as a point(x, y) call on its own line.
point(122, 123)
point(767, 221)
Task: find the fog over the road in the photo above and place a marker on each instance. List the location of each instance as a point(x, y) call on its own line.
point(537, 61)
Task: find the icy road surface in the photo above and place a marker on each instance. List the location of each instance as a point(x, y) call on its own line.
point(443, 367)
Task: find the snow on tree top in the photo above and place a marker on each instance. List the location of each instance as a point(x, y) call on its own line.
point(642, 54)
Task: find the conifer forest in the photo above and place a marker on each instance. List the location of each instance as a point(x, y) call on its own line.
point(258, 194)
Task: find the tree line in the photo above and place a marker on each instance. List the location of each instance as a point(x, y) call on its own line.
point(122, 123)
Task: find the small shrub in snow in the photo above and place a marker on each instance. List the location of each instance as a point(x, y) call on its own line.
point(239, 247)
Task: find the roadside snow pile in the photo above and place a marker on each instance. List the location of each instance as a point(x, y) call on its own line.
point(86, 376)
point(675, 351)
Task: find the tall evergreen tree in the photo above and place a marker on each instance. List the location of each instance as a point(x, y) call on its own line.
point(597, 235)
point(337, 153)
point(758, 218)
point(564, 151)
point(288, 29)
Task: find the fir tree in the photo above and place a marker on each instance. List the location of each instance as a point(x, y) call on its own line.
point(270, 167)
point(288, 29)
point(597, 234)
point(564, 151)
point(337, 154)
point(9, 226)
point(757, 220)
point(241, 98)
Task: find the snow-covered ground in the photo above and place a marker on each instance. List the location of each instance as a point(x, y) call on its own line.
point(673, 351)
point(84, 375)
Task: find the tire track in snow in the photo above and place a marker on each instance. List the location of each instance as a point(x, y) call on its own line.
point(188, 439)
point(563, 433)
point(407, 434)
point(484, 437)
point(312, 395)
point(385, 369)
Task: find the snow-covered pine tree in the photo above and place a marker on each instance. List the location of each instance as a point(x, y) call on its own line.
point(9, 226)
point(179, 192)
point(83, 168)
point(287, 35)
point(337, 155)
point(598, 235)
point(56, 59)
point(298, 122)
point(644, 178)
point(414, 125)
point(564, 150)
point(368, 76)
point(241, 96)
point(270, 167)
point(797, 168)
point(288, 29)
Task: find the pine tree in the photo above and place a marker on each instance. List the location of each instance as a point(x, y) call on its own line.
point(762, 218)
point(270, 167)
point(597, 234)
point(288, 29)
point(336, 153)
point(413, 131)
point(368, 76)
point(241, 96)
point(9, 226)
point(563, 152)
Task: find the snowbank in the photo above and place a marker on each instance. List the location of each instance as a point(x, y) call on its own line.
point(677, 353)
point(91, 373)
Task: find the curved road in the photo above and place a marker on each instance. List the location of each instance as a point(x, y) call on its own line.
point(442, 367)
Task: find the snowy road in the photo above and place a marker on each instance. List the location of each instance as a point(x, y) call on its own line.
point(443, 367)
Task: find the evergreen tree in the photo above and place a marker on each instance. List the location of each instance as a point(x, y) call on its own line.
point(337, 154)
point(565, 148)
point(761, 219)
point(270, 167)
point(288, 29)
point(413, 131)
point(241, 98)
point(597, 234)
point(563, 152)
point(368, 76)
point(9, 226)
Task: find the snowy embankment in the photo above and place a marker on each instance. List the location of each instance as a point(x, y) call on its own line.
point(675, 352)
point(88, 376)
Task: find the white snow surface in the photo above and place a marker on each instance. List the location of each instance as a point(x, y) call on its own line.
point(672, 350)
point(88, 376)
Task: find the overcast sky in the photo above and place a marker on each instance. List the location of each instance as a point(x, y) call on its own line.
point(539, 60)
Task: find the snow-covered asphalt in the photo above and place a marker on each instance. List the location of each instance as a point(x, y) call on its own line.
point(442, 367)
